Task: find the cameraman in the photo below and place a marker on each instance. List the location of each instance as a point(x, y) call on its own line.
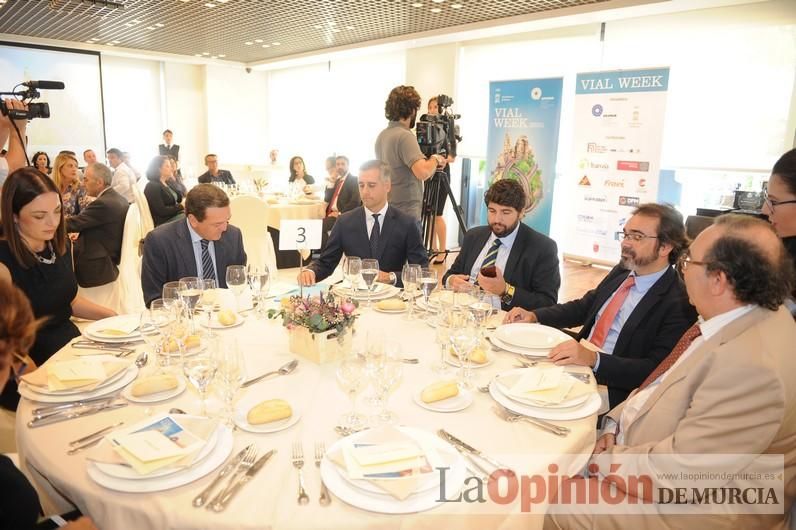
point(439, 239)
point(397, 147)
point(15, 158)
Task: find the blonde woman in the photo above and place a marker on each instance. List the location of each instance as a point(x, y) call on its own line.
point(64, 175)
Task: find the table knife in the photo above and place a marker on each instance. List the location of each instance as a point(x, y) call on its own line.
point(470, 449)
point(200, 499)
point(70, 415)
point(41, 411)
point(221, 504)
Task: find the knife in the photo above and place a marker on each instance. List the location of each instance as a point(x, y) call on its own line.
point(70, 415)
point(202, 497)
point(220, 505)
point(472, 450)
point(46, 411)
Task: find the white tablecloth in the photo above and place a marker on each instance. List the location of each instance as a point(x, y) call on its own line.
point(270, 499)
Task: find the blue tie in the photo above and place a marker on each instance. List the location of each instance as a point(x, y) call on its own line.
point(208, 272)
point(374, 237)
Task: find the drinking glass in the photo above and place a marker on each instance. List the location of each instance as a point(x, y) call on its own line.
point(231, 374)
point(259, 281)
point(370, 272)
point(428, 282)
point(236, 281)
point(410, 280)
point(386, 379)
point(352, 267)
point(190, 289)
point(208, 301)
point(200, 369)
point(464, 338)
point(481, 308)
point(443, 339)
point(170, 294)
point(153, 328)
point(351, 378)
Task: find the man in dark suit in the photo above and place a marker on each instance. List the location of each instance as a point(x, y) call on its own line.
point(343, 196)
point(523, 261)
point(374, 230)
point(203, 245)
point(213, 174)
point(636, 315)
point(100, 226)
point(167, 148)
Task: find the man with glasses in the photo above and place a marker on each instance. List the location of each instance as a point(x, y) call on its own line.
point(634, 317)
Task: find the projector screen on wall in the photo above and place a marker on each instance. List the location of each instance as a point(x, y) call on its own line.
point(76, 117)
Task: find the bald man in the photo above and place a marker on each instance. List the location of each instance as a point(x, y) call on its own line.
point(728, 387)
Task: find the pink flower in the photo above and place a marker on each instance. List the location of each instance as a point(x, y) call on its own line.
point(347, 308)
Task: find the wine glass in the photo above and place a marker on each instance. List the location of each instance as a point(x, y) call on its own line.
point(236, 281)
point(464, 338)
point(409, 279)
point(152, 327)
point(208, 301)
point(387, 378)
point(443, 337)
point(259, 281)
point(170, 294)
point(351, 378)
point(352, 267)
point(370, 271)
point(200, 369)
point(190, 290)
point(428, 282)
point(231, 373)
point(481, 308)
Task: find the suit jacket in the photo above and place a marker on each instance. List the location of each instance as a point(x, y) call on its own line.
point(162, 204)
point(165, 151)
point(348, 199)
point(99, 247)
point(169, 256)
point(649, 334)
point(735, 394)
point(223, 176)
point(532, 267)
point(399, 242)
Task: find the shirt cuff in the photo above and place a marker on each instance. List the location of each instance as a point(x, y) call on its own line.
point(609, 426)
point(596, 363)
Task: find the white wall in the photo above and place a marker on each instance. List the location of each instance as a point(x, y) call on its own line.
point(185, 114)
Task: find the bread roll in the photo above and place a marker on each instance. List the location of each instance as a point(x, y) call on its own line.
point(439, 391)
point(192, 341)
point(154, 384)
point(268, 411)
point(391, 304)
point(227, 317)
point(477, 356)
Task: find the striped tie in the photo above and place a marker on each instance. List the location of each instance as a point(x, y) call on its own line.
point(491, 256)
point(208, 272)
point(682, 345)
point(374, 237)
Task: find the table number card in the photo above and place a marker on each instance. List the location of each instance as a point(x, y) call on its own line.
point(298, 234)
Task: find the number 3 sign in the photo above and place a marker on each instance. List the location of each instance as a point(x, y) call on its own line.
point(300, 234)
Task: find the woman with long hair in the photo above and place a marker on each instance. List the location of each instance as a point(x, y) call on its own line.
point(64, 174)
point(165, 203)
point(780, 205)
point(299, 178)
point(41, 161)
point(35, 255)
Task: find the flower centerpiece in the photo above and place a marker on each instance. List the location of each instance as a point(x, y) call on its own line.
point(319, 328)
point(260, 183)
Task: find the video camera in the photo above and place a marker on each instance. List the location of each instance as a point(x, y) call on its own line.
point(437, 134)
point(31, 92)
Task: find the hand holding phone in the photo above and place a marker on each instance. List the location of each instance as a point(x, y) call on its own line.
point(490, 271)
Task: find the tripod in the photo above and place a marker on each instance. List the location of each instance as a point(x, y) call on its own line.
point(430, 196)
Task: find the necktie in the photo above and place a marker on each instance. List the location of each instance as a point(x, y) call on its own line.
point(337, 188)
point(208, 272)
point(682, 345)
point(374, 237)
point(611, 310)
point(491, 256)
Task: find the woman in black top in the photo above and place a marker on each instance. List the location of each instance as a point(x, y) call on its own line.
point(19, 503)
point(35, 256)
point(165, 203)
point(298, 174)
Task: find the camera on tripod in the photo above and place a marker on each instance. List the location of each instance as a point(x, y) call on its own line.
point(438, 134)
point(31, 92)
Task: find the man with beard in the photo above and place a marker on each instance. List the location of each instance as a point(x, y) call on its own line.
point(508, 258)
point(397, 147)
point(636, 315)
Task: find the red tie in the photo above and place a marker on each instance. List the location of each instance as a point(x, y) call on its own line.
point(337, 189)
point(609, 314)
point(682, 345)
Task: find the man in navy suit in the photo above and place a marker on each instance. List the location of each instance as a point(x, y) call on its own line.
point(202, 245)
point(213, 174)
point(374, 230)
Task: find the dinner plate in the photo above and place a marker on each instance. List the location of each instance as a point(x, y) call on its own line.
point(272, 426)
point(514, 349)
point(95, 329)
point(128, 377)
point(127, 393)
point(566, 404)
point(591, 406)
point(367, 496)
point(82, 389)
point(454, 361)
point(534, 336)
point(390, 311)
point(215, 324)
point(128, 473)
point(460, 401)
point(216, 457)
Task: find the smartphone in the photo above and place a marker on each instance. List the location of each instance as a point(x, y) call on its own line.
point(489, 272)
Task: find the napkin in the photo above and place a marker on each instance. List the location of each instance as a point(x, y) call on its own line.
point(74, 373)
point(391, 304)
point(388, 459)
point(544, 385)
point(122, 326)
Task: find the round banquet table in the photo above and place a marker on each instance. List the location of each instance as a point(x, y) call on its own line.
point(284, 210)
point(269, 499)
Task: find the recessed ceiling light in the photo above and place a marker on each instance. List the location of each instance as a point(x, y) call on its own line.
point(266, 45)
point(332, 23)
point(336, 30)
point(115, 41)
point(214, 57)
point(437, 1)
point(129, 25)
point(221, 1)
point(158, 25)
point(258, 41)
point(136, 21)
point(198, 54)
point(90, 41)
point(110, 44)
point(276, 43)
point(150, 27)
point(221, 55)
point(417, 4)
point(349, 27)
point(205, 53)
point(456, 6)
point(210, 5)
point(95, 38)
point(317, 26)
point(248, 43)
point(436, 10)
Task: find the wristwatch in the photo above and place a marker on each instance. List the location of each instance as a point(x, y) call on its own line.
point(508, 294)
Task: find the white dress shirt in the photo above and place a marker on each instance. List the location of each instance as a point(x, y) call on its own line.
point(369, 222)
point(506, 242)
point(196, 239)
point(123, 181)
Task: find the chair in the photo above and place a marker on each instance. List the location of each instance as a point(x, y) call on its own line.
point(251, 216)
point(145, 216)
point(131, 295)
point(694, 224)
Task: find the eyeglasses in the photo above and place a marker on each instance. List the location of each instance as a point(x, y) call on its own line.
point(686, 260)
point(633, 236)
point(771, 203)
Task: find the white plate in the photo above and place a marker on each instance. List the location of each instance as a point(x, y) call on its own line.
point(80, 390)
point(390, 311)
point(534, 336)
point(216, 457)
point(128, 473)
point(94, 328)
point(460, 401)
point(384, 503)
point(421, 303)
point(127, 393)
point(129, 376)
point(454, 361)
point(591, 406)
point(514, 349)
point(566, 404)
point(215, 324)
point(272, 426)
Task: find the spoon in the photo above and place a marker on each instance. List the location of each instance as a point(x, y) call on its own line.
point(142, 359)
point(283, 370)
point(175, 410)
point(345, 431)
point(410, 360)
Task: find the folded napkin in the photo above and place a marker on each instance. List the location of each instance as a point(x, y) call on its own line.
point(86, 374)
point(391, 304)
point(163, 443)
point(544, 385)
point(388, 459)
point(121, 326)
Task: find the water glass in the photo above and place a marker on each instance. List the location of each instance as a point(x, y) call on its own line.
point(236, 282)
point(464, 338)
point(190, 290)
point(386, 379)
point(170, 294)
point(409, 277)
point(231, 374)
point(352, 268)
point(370, 272)
point(428, 282)
point(351, 379)
point(200, 369)
point(208, 301)
point(259, 280)
point(153, 327)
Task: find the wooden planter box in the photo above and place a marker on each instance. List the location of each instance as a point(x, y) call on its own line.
point(319, 347)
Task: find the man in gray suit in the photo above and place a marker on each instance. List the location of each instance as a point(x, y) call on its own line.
point(202, 245)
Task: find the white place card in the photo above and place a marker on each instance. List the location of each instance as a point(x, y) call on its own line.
point(298, 234)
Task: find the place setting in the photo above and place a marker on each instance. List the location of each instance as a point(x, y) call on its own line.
point(529, 340)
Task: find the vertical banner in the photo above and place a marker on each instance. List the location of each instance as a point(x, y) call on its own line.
point(617, 147)
point(522, 144)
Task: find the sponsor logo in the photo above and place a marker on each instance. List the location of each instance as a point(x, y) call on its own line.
point(614, 183)
point(592, 147)
point(584, 181)
point(536, 93)
point(595, 198)
point(597, 110)
point(624, 200)
point(628, 165)
point(642, 183)
point(583, 218)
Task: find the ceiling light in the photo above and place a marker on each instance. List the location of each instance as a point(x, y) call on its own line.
point(349, 27)
point(198, 54)
point(317, 26)
point(437, 1)
point(258, 41)
point(150, 27)
point(276, 43)
point(115, 41)
point(417, 4)
point(436, 10)
point(205, 53)
point(158, 25)
point(210, 5)
point(266, 45)
point(332, 23)
point(336, 30)
point(248, 43)
point(110, 44)
point(456, 6)
point(95, 38)
point(129, 25)
point(136, 21)
point(214, 57)
point(221, 55)
point(90, 41)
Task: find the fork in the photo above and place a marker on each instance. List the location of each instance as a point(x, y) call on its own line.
point(511, 417)
point(320, 450)
point(245, 464)
point(298, 463)
point(584, 378)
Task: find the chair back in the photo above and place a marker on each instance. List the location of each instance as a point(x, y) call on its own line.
point(250, 214)
point(131, 294)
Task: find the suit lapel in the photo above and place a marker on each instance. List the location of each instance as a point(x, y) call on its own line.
point(647, 302)
point(479, 243)
point(362, 232)
point(519, 246)
point(386, 231)
point(186, 246)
